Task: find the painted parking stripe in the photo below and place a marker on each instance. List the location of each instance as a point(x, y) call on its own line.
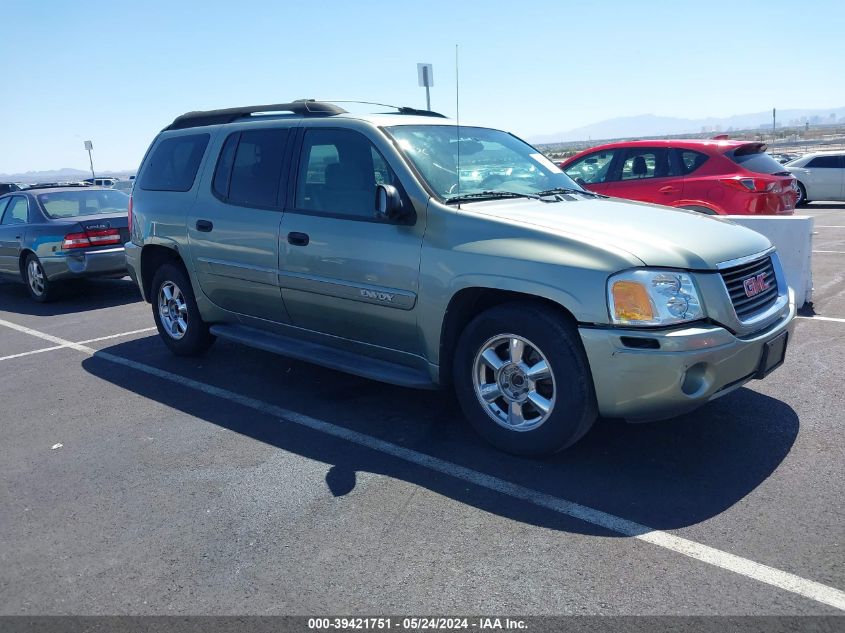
point(119, 335)
point(762, 573)
point(829, 226)
point(821, 318)
point(65, 345)
point(35, 351)
point(840, 252)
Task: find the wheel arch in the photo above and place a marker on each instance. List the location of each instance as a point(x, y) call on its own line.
point(153, 256)
point(471, 301)
point(700, 207)
point(22, 257)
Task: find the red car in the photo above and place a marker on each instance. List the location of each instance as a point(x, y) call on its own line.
point(711, 176)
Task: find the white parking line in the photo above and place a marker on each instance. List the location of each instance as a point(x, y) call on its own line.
point(64, 345)
point(840, 252)
point(821, 318)
point(35, 351)
point(829, 226)
point(710, 555)
point(111, 336)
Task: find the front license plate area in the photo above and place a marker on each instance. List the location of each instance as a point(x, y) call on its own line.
point(774, 353)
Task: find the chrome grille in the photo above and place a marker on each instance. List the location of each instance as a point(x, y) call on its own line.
point(735, 277)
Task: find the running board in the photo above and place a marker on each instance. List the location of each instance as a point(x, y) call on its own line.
point(331, 357)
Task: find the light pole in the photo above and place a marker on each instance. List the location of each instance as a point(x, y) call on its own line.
point(90, 146)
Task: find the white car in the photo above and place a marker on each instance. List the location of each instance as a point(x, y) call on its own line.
point(820, 176)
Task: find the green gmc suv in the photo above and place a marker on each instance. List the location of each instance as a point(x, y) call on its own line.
point(406, 248)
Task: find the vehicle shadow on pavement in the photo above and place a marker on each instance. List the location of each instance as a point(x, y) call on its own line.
point(664, 475)
point(75, 296)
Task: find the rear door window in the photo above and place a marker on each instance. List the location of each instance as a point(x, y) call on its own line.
point(249, 169)
point(17, 212)
point(647, 162)
point(174, 163)
point(753, 158)
point(827, 162)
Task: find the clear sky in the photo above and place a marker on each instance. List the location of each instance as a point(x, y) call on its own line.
point(117, 72)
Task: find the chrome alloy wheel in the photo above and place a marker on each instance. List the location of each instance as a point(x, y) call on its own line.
point(173, 310)
point(514, 383)
point(35, 277)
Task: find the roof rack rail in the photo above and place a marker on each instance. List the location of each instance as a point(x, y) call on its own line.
point(304, 107)
point(399, 109)
point(415, 112)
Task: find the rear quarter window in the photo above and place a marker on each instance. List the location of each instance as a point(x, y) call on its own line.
point(174, 163)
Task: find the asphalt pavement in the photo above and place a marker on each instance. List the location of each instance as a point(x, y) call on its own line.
point(241, 482)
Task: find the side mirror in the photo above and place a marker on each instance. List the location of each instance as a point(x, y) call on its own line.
point(388, 203)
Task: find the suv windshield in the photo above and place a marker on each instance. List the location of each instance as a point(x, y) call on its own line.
point(479, 160)
point(69, 204)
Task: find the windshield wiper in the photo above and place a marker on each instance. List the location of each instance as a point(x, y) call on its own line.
point(551, 192)
point(490, 195)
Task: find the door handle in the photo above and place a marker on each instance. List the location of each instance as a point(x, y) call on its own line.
point(298, 239)
point(668, 189)
point(205, 226)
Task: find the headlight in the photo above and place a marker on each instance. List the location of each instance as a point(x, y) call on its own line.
point(653, 297)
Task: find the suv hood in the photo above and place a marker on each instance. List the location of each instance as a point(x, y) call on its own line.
point(654, 234)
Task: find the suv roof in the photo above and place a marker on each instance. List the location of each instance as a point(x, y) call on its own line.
point(300, 107)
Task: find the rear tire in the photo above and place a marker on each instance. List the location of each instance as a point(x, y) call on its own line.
point(802, 196)
point(40, 288)
point(176, 314)
point(523, 380)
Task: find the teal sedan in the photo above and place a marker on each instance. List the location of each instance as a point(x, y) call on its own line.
point(52, 234)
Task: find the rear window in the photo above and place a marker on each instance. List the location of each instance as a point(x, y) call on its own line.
point(69, 204)
point(753, 158)
point(174, 163)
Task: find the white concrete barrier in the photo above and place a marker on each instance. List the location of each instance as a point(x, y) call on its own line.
point(793, 237)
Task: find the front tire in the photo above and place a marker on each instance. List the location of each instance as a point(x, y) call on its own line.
point(40, 288)
point(523, 380)
point(176, 314)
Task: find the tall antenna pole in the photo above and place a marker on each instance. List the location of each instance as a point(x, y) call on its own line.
point(458, 119)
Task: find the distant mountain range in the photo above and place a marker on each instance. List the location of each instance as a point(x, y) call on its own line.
point(60, 175)
point(653, 125)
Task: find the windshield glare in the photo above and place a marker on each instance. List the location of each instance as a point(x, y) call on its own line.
point(478, 160)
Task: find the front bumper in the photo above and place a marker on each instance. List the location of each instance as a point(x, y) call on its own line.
point(692, 366)
point(93, 263)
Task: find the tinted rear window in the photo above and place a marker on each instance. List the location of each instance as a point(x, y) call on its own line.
point(756, 160)
point(249, 168)
point(174, 163)
point(69, 204)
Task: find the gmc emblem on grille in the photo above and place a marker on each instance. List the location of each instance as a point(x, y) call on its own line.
point(755, 285)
